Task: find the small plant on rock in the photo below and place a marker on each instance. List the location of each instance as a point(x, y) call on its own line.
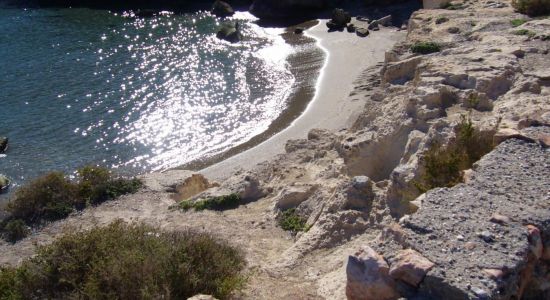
point(517, 22)
point(526, 32)
point(441, 20)
point(425, 47)
point(15, 230)
point(290, 220)
point(213, 203)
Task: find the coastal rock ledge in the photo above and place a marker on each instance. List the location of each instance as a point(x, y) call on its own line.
point(485, 239)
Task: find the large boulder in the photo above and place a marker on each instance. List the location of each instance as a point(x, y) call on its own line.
point(4, 183)
point(410, 267)
point(368, 277)
point(230, 32)
point(3, 144)
point(222, 9)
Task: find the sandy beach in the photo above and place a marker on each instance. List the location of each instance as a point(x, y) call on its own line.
point(347, 55)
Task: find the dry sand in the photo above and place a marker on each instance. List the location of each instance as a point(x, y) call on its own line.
point(331, 108)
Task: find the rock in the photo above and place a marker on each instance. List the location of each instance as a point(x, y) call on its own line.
point(222, 9)
point(229, 32)
point(362, 32)
point(3, 144)
point(333, 26)
point(340, 17)
point(410, 266)
point(374, 26)
point(4, 183)
point(368, 277)
point(292, 196)
point(363, 19)
point(359, 195)
point(191, 186)
point(494, 273)
point(535, 241)
point(453, 30)
point(385, 21)
point(487, 236)
point(350, 28)
point(298, 30)
point(499, 219)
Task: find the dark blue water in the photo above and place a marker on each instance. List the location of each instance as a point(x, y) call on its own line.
point(81, 86)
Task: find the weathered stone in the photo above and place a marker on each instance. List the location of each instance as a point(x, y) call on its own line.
point(202, 297)
point(453, 30)
point(411, 267)
point(368, 277)
point(292, 196)
point(374, 26)
point(350, 28)
point(499, 219)
point(362, 32)
point(340, 17)
point(494, 273)
point(230, 32)
point(385, 21)
point(298, 30)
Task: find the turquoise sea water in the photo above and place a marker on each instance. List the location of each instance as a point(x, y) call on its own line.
point(80, 86)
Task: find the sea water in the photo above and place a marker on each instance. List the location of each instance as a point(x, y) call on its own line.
point(81, 86)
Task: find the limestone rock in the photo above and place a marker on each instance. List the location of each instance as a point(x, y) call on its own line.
point(292, 196)
point(368, 278)
point(410, 267)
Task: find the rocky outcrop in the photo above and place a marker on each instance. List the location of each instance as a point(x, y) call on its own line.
point(222, 9)
point(340, 19)
point(3, 144)
point(4, 183)
point(230, 32)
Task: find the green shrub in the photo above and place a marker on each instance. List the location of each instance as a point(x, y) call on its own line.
point(213, 203)
point(443, 165)
point(49, 197)
point(425, 47)
point(452, 6)
point(532, 7)
point(290, 220)
point(524, 32)
point(52, 196)
point(518, 22)
point(15, 230)
point(122, 261)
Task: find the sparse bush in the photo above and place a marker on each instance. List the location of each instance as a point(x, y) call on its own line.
point(443, 164)
point(518, 22)
point(52, 196)
point(524, 32)
point(122, 261)
point(425, 47)
point(15, 230)
point(49, 197)
point(290, 220)
point(452, 6)
point(532, 7)
point(213, 203)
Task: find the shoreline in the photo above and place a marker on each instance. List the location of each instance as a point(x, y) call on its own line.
point(305, 63)
point(346, 56)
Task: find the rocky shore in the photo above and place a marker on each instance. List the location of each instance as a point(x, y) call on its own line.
point(370, 231)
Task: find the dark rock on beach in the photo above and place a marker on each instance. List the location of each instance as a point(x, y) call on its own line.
point(3, 144)
point(362, 32)
point(298, 30)
point(350, 28)
point(230, 32)
point(222, 9)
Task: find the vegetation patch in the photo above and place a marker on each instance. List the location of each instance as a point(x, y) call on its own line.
point(213, 203)
point(532, 7)
point(524, 32)
point(443, 165)
point(425, 47)
point(123, 261)
point(53, 196)
point(517, 22)
point(441, 20)
point(290, 220)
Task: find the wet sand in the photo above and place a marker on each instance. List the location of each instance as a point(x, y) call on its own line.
point(346, 56)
